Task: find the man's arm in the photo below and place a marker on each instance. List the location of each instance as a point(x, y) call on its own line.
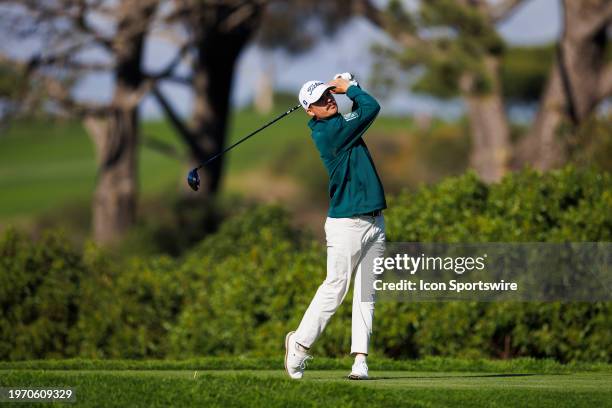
point(351, 127)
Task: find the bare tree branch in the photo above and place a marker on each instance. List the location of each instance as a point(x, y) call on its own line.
point(184, 131)
point(60, 94)
point(602, 18)
point(181, 80)
point(88, 66)
point(72, 10)
point(593, 16)
point(173, 64)
point(65, 60)
point(80, 20)
point(243, 13)
point(162, 147)
point(168, 34)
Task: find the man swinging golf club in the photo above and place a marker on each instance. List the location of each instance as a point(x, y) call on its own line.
point(354, 229)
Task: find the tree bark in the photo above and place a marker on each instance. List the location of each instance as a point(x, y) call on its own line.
point(116, 136)
point(212, 82)
point(542, 147)
point(114, 201)
point(218, 47)
point(488, 125)
point(574, 87)
point(582, 54)
point(264, 94)
point(489, 155)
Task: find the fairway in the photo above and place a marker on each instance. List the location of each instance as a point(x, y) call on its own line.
point(271, 388)
point(44, 165)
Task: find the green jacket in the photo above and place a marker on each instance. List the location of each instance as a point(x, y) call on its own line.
point(354, 185)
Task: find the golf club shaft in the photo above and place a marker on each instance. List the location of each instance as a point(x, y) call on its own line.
point(247, 136)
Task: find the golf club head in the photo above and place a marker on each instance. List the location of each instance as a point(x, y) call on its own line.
point(193, 179)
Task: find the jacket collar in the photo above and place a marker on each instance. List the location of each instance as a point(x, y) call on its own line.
point(314, 121)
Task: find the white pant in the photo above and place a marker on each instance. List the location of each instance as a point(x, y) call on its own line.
point(349, 242)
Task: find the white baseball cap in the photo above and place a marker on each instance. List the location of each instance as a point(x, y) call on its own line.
point(312, 91)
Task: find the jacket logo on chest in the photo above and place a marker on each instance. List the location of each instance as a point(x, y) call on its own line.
point(350, 116)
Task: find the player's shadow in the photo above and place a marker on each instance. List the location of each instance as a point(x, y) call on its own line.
point(449, 376)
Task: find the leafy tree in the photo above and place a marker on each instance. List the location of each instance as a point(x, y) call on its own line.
point(213, 34)
point(459, 53)
point(458, 50)
point(65, 30)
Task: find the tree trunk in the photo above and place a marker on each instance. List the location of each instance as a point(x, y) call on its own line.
point(264, 94)
point(489, 156)
point(582, 54)
point(212, 82)
point(488, 126)
point(574, 86)
point(114, 202)
point(116, 136)
point(218, 49)
point(542, 147)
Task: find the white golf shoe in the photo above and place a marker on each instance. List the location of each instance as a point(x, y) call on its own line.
point(295, 359)
point(359, 371)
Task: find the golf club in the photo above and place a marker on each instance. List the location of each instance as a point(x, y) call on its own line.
point(193, 179)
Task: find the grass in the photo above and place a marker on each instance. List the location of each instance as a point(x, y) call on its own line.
point(47, 164)
point(431, 364)
point(208, 382)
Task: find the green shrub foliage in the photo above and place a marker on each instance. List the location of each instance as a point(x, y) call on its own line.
point(39, 296)
point(242, 288)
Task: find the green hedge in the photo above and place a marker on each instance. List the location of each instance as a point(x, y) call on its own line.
point(562, 206)
point(40, 296)
point(241, 289)
point(568, 205)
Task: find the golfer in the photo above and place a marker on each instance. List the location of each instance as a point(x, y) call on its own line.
point(354, 229)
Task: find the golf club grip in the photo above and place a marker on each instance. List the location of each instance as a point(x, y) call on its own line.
point(227, 149)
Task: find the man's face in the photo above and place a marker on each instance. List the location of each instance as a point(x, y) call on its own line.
point(323, 108)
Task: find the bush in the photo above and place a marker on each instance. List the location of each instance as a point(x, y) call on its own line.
point(242, 288)
point(562, 206)
point(568, 205)
point(39, 296)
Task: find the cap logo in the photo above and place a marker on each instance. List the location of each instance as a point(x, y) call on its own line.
point(312, 87)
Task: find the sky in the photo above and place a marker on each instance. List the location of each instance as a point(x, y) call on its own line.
point(534, 22)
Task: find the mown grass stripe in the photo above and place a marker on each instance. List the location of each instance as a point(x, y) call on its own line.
point(432, 364)
point(323, 388)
